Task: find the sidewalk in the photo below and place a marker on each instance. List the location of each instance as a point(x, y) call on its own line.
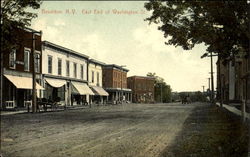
point(211, 131)
point(59, 109)
point(234, 110)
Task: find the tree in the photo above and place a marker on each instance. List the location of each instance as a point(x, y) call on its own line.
point(162, 90)
point(14, 14)
point(222, 25)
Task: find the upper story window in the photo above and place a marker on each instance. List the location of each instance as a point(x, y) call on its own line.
point(59, 66)
point(75, 70)
point(98, 80)
point(67, 68)
point(12, 59)
point(50, 64)
point(37, 61)
point(93, 75)
point(81, 71)
point(26, 59)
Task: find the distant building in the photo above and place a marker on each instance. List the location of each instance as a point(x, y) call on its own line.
point(115, 83)
point(95, 74)
point(18, 69)
point(65, 75)
point(142, 89)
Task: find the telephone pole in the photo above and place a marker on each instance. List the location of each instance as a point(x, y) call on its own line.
point(34, 92)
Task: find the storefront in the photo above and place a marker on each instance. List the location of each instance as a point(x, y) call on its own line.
point(18, 91)
point(55, 90)
point(101, 96)
point(81, 94)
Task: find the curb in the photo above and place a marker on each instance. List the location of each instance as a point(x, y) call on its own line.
point(234, 110)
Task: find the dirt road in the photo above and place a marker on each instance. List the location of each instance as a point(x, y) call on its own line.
point(129, 130)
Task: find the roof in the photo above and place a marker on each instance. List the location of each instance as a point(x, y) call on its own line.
point(63, 49)
point(116, 66)
point(97, 62)
point(146, 77)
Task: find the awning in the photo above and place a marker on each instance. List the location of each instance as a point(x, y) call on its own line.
point(22, 82)
point(99, 91)
point(82, 88)
point(55, 82)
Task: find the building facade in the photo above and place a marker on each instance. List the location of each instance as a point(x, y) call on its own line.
point(65, 75)
point(233, 82)
point(95, 81)
point(142, 89)
point(115, 83)
point(18, 69)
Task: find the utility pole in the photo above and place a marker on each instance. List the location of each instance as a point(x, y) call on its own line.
point(212, 78)
point(209, 83)
point(219, 92)
point(121, 81)
point(161, 92)
point(34, 92)
point(203, 89)
point(209, 89)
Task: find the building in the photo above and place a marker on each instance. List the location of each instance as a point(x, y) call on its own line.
point(65, 75)
point(95, 81)
point(115, 83)
point(18, 69)
point(142, 89)
point(233, 82)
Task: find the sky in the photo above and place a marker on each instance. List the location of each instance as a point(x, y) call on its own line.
point(117, 33)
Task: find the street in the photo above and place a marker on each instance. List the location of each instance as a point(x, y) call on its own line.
point(128, 130)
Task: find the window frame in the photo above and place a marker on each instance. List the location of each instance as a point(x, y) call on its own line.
point(50, 71)
point(59, 70)
point(13, 51)
point(82, 71)
point(93, 75)
point(37, 62)
point(75, 70)
point(28, 60)
point(67, 68)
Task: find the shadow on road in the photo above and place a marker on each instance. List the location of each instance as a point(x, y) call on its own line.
point(211, 132)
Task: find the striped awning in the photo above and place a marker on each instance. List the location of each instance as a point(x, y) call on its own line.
point(82, 88)
point(22, 82)
point(99, 91)
point(55, 82)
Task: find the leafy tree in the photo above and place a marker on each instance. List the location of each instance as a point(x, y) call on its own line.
point(222, 25)
point(161, 88)
point(14, 14)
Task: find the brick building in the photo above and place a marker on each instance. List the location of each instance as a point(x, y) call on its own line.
point(142, 89)
point(18, 68)
point(115, 83)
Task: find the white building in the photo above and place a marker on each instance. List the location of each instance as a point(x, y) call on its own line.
point(95, 81)
point(65, 75)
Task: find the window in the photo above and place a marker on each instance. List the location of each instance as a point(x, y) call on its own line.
point(59, 66)
point(37, 62)
point(12, 59)
point(26, 59)
point(98, 83)
point(75, 70)
point(67, 68)
point(49, 64)
point(82, 72)
point(93, 75)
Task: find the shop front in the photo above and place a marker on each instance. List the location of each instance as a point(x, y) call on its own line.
point(55, 90)
point(18, 91)
point(81, 94)
point(101, 96)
